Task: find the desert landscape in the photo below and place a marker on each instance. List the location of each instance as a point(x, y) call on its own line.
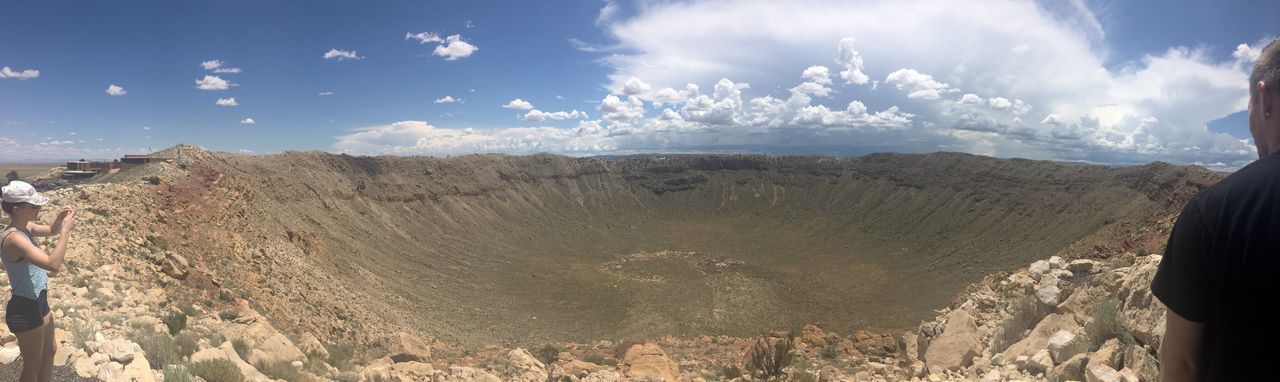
point(478, 260)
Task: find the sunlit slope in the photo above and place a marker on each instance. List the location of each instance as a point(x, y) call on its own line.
point(489, 247)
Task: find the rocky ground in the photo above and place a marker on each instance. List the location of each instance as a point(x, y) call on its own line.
point(135, 302)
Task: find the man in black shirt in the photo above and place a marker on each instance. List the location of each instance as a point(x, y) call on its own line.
point(1216, 276)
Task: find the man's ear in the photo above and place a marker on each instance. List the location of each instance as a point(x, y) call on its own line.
point(1265, 99)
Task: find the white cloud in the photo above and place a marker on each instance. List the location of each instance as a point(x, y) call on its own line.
point(454, 48)
point(448, 99)
point(418, 137)
point(538, 115)
point(218, 66)
point(607, 12)
point(146, 128)
point(213, 83)
point(248, 121)
point(817, 74)
point(970, 99)
point(325, 93)
point(5, 72)
point(114, 90)
point(1010, 55)
point(1247, 54)
point(518, 104)
point(342, 55)
point(852, 62)
point(635, 86)
point(615, 109)
point(227, 102)
point(423, 37)
point(917, 85)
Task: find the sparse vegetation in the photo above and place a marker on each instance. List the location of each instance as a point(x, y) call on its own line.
point(830, 351)
point(547, 354)
point(160, 348)
point(768, 356)
point(1106, 323)
point(12, 175)
point(340, 355)
point(176, 373)
point(217, 370)
point(242, 348)
point(730, 371)
point(80, 332)
point(283, 370)
point(153, 180)
point(176, 321)
point(1024, 313)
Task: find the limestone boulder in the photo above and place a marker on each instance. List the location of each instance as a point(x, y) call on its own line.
point(647, 362)
point(956, 347)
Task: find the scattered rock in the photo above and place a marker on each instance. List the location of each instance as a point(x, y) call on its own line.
point(956, 347)
point(1059, 341)
point(648, 361)
point(523, 367)
point(404, 347)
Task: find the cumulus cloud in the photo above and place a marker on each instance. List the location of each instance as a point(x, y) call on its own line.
point(423, 37)
point(448, 99)
point(518, 104)
point(969, 91)
point(1245, 53)
point(817, 74)
point(218, 66)
point(454, 48)
point(114, 90)
point(852, 62)
point(538, 115)
point(5, 72)
point(227, 102)
point(616, 109)
point(325, 93)
point(342, 55)
point(917, 85)
point(213, 83)
point(635, 86)
point(248, 121)
point(419, 137)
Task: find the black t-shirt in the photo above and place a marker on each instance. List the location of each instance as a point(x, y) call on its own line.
point(1222, 268)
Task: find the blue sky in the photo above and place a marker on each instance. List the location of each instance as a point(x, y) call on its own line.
point(1103, 82)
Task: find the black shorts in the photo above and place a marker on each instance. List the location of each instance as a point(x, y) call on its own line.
point(23, 314)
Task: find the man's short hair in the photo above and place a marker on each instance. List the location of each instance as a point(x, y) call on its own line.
point(1267, 70)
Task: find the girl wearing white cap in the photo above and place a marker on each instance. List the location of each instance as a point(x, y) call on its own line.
point(27, 313)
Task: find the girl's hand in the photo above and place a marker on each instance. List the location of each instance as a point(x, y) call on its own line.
point(65, 212)
point(68, 220)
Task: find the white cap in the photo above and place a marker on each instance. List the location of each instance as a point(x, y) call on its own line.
point(22, 192)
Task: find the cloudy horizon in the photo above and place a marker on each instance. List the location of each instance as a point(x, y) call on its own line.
point(1070, 81)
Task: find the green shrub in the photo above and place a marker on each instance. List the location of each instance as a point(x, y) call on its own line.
point(730, 371)
point(547, 354)
point(1024, 313)
point(831, 351)
point(154, 180)
point(242, 348)
point(176, 321)
point(188, 343)
point(81, 332)
point(283, 370)
point(1106, 323)
point(217, 370)
point(176, 373)
point(341, 354)
point(594, 358)
point(768, 357)
point(161, 349)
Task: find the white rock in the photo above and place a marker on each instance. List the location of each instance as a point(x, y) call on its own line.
point(1059, 341)
point(1040, 363)
point(1083, 267)
point(120, 350)
point(1038, 268)
point(1048, 293)
point(9, 354)
point(1056, 262)
point(1101, 373)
